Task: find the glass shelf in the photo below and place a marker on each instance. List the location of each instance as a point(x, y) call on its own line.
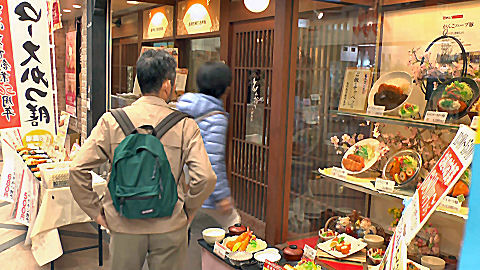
point(368, 187)
point(395, 120)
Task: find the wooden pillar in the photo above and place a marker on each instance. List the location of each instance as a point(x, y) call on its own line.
point(281, 125)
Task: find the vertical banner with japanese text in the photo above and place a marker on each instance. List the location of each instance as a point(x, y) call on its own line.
point(71, 74)
point(9, 115)
point(32, 64)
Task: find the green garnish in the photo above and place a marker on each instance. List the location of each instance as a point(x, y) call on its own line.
point(253, 244)
point(362, 152)
point(341, 239)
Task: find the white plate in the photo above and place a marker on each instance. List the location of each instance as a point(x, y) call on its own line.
point(261, 245)
point(369, 164)
point(357, 245)
point(386, 78)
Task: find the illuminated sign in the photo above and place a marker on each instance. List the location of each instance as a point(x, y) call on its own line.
point(198, 16)
point(158, 22)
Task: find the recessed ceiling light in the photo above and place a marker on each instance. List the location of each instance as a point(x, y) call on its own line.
point(76, 6)
point(67, 10)
point(133, 2)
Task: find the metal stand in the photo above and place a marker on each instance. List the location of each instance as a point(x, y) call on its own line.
point(99, 246)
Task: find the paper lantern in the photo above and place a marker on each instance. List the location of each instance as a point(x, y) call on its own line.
point(256, 6)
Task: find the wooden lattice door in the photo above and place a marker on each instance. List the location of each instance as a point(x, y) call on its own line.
point(252, 65)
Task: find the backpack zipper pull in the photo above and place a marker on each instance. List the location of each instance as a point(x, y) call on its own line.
point(155, 168)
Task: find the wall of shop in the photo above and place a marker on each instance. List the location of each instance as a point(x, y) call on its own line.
point(83, 80)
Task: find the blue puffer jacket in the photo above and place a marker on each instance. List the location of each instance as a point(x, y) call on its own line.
point(214, 132)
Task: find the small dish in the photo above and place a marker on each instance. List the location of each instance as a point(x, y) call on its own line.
point(398, 79)
point(237, 229)
point(367, 147)
point(239, 257)
point(434, 263)
point(271, 256)
point(374, 241)
point(376, 255)
point(212, 235)
point(399, 160)
point(292, 253)
point(326, 235)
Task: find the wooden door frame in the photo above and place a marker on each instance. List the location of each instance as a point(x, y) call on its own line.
point(285, 12)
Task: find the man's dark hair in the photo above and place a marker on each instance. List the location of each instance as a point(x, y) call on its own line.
point(153, 68)
point(213, 78)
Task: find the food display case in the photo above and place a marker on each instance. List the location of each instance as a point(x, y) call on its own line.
point(383, 91)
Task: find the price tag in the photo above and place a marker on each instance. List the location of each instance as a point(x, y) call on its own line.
point(220, 250)
point(451, 203)
point(436, 117)
point(268, 265)
point(309, 252)
point(474, 123)
point(384, 185)
point(339, 172)
point(315, 97)
point(375, 110)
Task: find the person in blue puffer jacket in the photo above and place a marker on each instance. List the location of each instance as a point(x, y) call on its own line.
point(206, 107)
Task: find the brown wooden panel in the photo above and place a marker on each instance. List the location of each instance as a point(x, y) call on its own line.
point(248, 161)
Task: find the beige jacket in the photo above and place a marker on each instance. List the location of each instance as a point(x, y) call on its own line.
point(183, 145)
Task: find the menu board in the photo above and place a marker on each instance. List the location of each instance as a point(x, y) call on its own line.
point(158, 22)
point(356, 86)
point(198, 16)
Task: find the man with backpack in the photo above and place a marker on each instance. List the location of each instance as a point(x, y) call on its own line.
point(148, 205)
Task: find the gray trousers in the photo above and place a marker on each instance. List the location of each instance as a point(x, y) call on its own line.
point(165, 251)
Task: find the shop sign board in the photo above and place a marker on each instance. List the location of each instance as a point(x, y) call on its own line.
point(31, 66)
point(198, 16)
point(431, 193)
point(356, 86)
point(158, 22)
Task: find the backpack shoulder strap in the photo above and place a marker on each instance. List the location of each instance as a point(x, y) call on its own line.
point(205, 116)
point(168, 122)
point(125, 123)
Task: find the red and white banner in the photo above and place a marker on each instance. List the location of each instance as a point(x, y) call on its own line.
point(10, 110)
point(31, 67)
point(71, 73)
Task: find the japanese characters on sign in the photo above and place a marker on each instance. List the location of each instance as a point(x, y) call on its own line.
point(9, 115)
point(71, 73)
point(356, 86)
point(32, 65)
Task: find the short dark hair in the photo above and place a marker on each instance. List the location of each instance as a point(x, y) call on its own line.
point(153, 68)
point(213, 78)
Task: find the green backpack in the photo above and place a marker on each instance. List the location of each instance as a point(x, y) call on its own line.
point(141, 183)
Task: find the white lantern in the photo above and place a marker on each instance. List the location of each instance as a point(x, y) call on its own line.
point(256, 6)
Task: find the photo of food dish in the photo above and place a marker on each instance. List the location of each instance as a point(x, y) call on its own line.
point(454, 97)
point(361, 156)
point(402, 167)
point(391, 90)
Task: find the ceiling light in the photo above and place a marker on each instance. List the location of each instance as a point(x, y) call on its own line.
point(320, 15)
point(256, 6)
point(76, 6)
point(67, 10)
point(133, 2)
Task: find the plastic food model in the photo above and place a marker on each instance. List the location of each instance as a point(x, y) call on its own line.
point(427, 242)
point(242, 241)
point(339, 244)
point(376, 255)
point(356, 162)
point(411, 266)
point(390, 96)
point(303, 265)
point(408, 110)
point(402, 168)
point(455, 98)
point(462, 187)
